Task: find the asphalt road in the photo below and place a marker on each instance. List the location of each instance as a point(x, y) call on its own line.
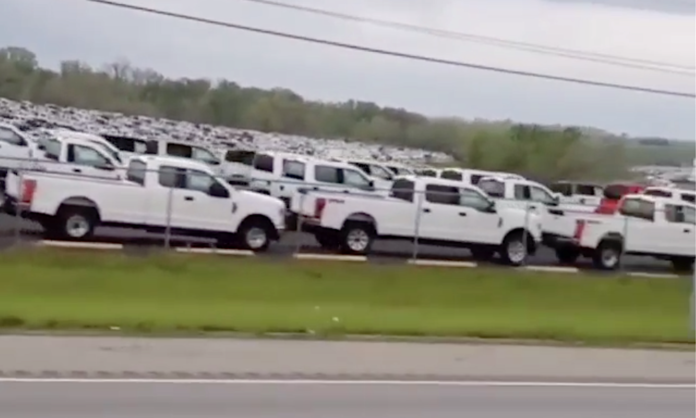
point(203, 358)
point(12, 229)
point(181, 400)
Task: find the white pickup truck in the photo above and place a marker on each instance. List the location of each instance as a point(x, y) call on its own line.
point(157, 194)
point(429, 210)
point(645, 226)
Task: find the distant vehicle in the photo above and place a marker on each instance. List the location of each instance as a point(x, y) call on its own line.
point(672, 193)
point(613, 194)
point(579, 193)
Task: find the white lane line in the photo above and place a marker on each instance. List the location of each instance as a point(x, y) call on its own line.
point(218, 251)
point(329, 257)
point(441, 263)
point(291, 382)
point(552, 269)
point(655, 275)
point(86, 245)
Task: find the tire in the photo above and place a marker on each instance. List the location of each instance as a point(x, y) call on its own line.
point(683, 264)
point(328, 240)
point(255, 235)
point(567, 255)
point(73, 223)
point(514, 249)
point(607, 255)
point(357, 238)
point(482, 253)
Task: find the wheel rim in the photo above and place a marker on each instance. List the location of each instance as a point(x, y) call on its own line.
point(77, 226)
point(516, 251)
point(609, 257)
point(256, 237)
point(358, 240)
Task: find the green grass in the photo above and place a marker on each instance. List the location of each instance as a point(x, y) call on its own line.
point(74, 290)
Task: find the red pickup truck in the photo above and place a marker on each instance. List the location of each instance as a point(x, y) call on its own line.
point(613, 194)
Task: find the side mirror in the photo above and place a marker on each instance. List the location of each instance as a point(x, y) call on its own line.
point(213, 162)
point(105, 167)
point(491, 207)
point(218, 190)
point(555, 201)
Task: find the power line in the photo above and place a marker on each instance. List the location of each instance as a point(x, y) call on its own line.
point(392, 53)
point(629, 62)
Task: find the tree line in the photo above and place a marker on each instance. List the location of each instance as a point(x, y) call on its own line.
point(546, 153)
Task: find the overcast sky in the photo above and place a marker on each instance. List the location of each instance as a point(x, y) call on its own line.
point(660, 30)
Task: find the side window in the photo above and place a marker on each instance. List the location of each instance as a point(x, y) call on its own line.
point(522, 192)
point(136, 172)
point(327, 174)
point(540, 195)
point(473, 199)
point(444, 195)
point(364, 167)
point(428, 173)
point(380, 172)
point(638, 208)
point(451, 175)
point(680, 214)
point(476, 178)
point(172, 177)
point(493, 188)
point(586, 190)
point(566, 189)
point(263, 162)
point(82, 155)
point(179, 150)
point(242, 157)
point(657, 192)
point(52, 149)
point(293, 169)
point(689, 215)
point(199, 181)
point(688, 197)
point(403, 189)
point(355, 179)
point(11, 137)
point(202, 154)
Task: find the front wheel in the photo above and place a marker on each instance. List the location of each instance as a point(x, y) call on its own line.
point(255, 235)
point(514, 249)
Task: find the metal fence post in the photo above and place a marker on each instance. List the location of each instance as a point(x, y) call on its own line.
point(298, 226)
point(168, 228)
point(17, 227)
point(416, 235)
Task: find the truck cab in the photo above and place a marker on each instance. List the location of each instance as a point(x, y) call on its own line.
point(471, 176)
point(579, 193)
point(78, 154)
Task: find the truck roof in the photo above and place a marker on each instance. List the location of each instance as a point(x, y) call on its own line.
point(436, 180)
point(659, 199)
point(181, 162)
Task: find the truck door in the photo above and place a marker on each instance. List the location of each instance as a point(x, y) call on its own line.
point(680, 229)
point(441, 216)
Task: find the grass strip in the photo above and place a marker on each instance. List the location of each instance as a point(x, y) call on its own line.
point(76, 289)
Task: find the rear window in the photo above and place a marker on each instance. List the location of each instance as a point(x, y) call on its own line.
point(428, 173)
point(52, 149)
point(242, 157)
point(263, 162)
point(294, 169)
point(615, 191)
point(179, 150)
point(136, 172)
point(493, 188)
point(689, 197)
point(403, 189)
point(451, 175)
point(585, 189)
point(658, 192)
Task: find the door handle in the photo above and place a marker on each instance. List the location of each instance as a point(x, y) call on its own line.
point(687, 230)
point(188, 198)
point(462, 213)
point(77, 170)
point(426, 210)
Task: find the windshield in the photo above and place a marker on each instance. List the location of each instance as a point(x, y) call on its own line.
point(202, 154)
point(381, 173)
point(52, 149)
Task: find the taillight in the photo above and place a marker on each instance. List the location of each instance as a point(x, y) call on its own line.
point(28, 191)
point(319, 206)
point(579, 228)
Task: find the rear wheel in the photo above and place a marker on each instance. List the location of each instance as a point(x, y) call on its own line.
point(607, 256)
point(73, 223)
point(357, 238)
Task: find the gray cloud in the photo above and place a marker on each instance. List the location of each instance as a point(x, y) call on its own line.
point(684, 7)
point(98, 34)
